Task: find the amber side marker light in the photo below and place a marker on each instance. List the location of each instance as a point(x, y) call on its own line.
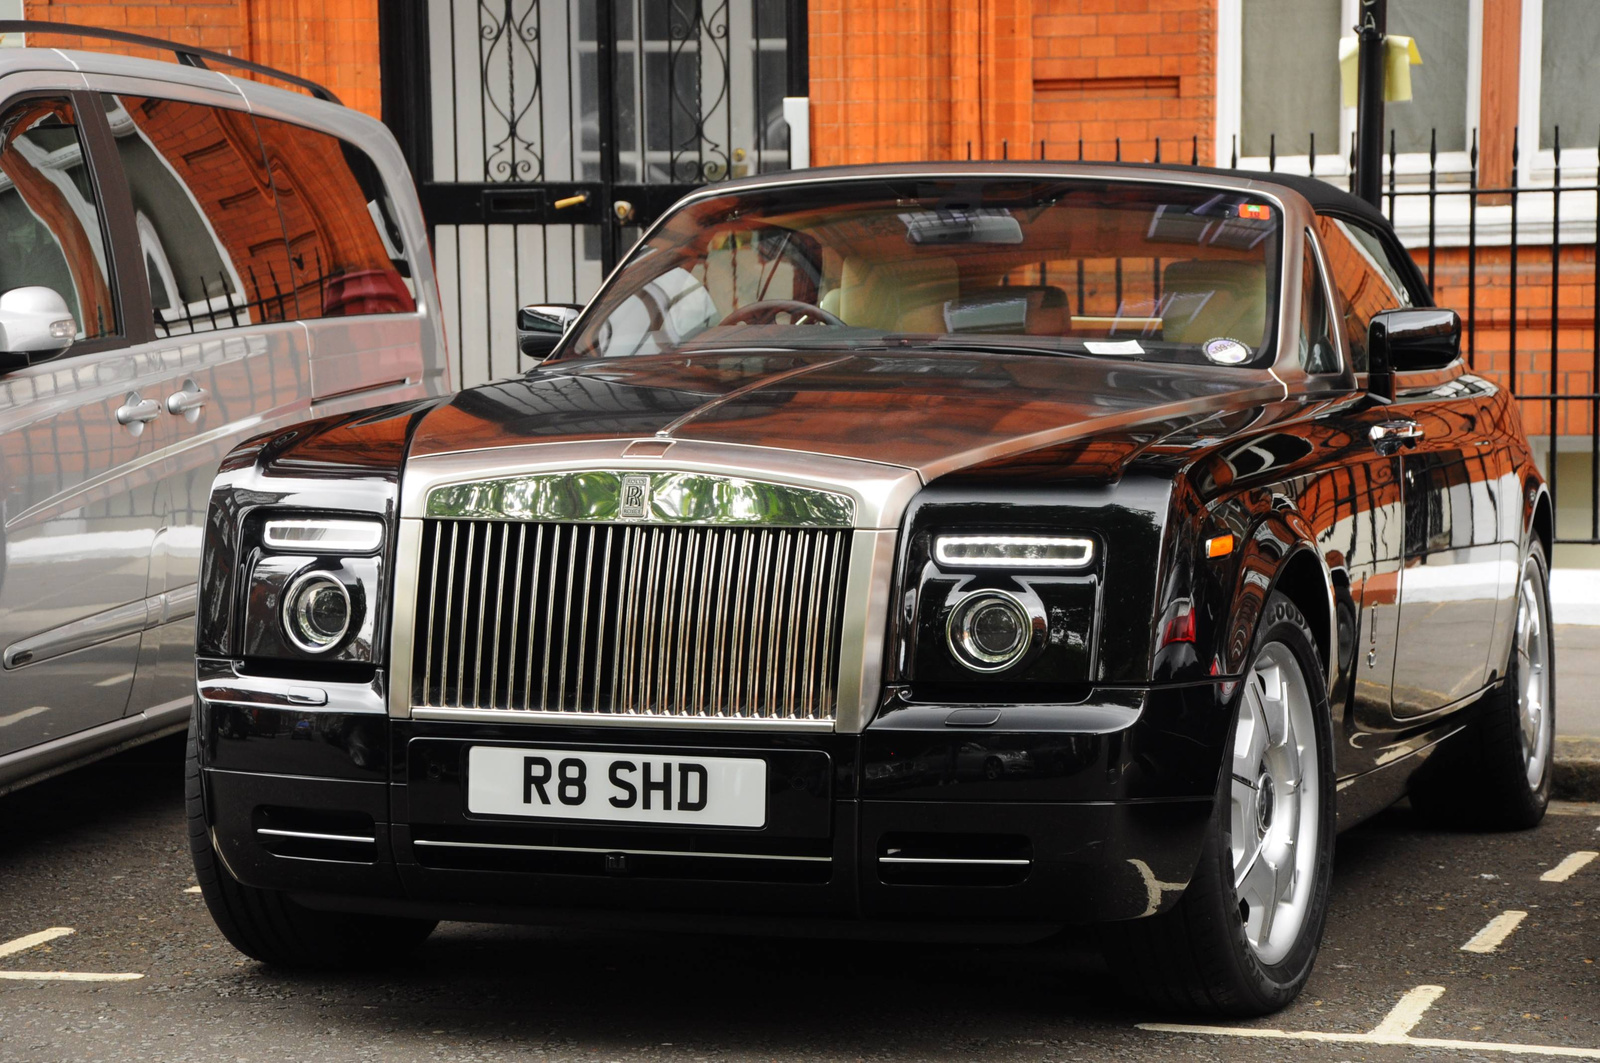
point(1220, 546)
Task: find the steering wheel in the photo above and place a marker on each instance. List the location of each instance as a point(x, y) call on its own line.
point(767, 310)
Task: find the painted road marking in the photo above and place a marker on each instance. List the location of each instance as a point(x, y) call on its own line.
point(192, 889)
point(66, 976)
point(1568, 867)
point(1494, 935)
point(1404, 1016)
point(1393, 1030)
point(23, 944)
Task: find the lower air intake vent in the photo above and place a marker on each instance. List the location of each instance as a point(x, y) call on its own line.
point(311, 834)
point(954, 859)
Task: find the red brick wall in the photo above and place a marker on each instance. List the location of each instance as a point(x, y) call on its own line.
point(1128, 70)
point(1571, 370)
point(334, 42)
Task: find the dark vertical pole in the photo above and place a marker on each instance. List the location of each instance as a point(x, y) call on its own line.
point(605, 41)
point(1374, 19)
point(403, 83)
point(798, 48)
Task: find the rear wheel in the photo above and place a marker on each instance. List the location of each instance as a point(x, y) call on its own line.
point(267, 926)
point(1244, 936)
point(1495, 775)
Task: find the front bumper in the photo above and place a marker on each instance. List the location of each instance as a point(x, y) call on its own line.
point(1001, 818)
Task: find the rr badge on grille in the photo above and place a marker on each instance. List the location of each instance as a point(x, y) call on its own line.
point(634, 500)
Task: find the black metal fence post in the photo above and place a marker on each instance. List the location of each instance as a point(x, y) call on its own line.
point(1369, 100)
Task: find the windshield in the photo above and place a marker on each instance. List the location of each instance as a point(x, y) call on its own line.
point(1136, 271)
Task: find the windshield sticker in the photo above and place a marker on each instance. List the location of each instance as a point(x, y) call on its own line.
point(1255, 212)
point(1113, 346)
point(1226, 351)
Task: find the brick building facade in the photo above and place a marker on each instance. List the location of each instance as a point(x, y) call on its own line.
point(1097, 79)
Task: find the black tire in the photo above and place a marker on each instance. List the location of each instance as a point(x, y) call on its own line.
point(267, 926)
point(1478, 779)
point(1196, 957)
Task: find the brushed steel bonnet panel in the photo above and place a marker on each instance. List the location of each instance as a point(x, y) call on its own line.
point(879, 493)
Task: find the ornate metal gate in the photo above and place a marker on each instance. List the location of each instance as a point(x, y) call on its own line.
point(544, 133)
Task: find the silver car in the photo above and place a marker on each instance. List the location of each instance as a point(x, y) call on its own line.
point(187, 260)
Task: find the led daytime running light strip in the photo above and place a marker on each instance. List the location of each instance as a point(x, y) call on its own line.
point(319, 536)
point(1013, 551)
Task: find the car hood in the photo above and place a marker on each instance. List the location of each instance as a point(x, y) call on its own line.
point(938, 413)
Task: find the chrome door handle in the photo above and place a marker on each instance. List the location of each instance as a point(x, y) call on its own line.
point(188, 402)
point(1388, 437)
point(135, 413)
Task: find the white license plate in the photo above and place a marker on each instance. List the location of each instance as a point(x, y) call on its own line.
point(623, 787)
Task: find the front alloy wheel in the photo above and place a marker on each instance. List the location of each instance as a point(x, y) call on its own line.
point(1243, 937)
point(1274, 804)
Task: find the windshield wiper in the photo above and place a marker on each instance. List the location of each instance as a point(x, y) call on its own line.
point(971, 346)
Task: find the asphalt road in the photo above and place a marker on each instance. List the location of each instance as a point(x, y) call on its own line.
point(101, 851)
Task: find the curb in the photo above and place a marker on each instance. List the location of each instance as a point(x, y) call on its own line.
point(1577, 769)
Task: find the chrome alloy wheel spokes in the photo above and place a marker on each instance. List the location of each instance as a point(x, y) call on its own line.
point(1274, 803)
point(1533, 675)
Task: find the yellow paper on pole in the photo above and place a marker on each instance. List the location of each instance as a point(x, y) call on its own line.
point(1400, 54)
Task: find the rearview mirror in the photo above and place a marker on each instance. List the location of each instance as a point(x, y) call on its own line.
point(540, 327)
point(1403, 341)
point(35, 324)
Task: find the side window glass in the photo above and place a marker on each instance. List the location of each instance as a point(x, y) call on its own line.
point(1317, 351)
point(50, 229)
point(1367, 282)
point(209, 233)
point(346, 248)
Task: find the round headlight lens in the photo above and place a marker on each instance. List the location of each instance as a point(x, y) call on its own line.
point(989, 631)
point(316, 612)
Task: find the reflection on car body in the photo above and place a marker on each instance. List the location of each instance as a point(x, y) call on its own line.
point(991, 541)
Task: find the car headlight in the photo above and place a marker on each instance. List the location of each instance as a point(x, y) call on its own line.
point(1013, 551)
point(323, 535)
point(989, 631)
point(317, 612)
point(314, 586)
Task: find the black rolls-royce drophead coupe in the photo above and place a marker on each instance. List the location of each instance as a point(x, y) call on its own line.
point(960, 550)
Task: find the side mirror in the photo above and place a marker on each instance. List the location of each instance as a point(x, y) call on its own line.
point(540, 327)
point(35, 324)
point(1402, 341)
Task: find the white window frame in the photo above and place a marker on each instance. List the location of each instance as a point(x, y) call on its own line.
point(1336, 163)
point(1538, 162)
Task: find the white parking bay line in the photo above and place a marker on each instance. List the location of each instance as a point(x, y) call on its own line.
point(22, 944)
point(1395, 1029)
point(1568, 867)
point(1494, 935)
point(1404, 1016)
point(66, 976)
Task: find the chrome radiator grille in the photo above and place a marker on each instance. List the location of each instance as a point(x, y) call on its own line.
point(652, 620)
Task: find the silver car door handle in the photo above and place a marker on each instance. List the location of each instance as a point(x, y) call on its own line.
point(188, 402)
point(1389, 436)
point(135, 411)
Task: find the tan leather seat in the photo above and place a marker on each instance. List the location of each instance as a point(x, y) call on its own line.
point(906, 295)
point(1212, 299)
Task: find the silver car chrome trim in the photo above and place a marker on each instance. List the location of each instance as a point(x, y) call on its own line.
point(865, 626)
point(428, 842)
point(408, 551)
point(951, 860)
point(123, 620)
point(879, 492)
point(634, 720)
point(315, 837)
point(669, 498)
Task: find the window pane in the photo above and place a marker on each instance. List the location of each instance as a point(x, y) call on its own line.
point(346, 249)
point(1365, 280)
point(1291, 75)
point(1567, 94)
point(50, 232)
point(1317, 353)
point(1439, 85)
point(211, 239)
